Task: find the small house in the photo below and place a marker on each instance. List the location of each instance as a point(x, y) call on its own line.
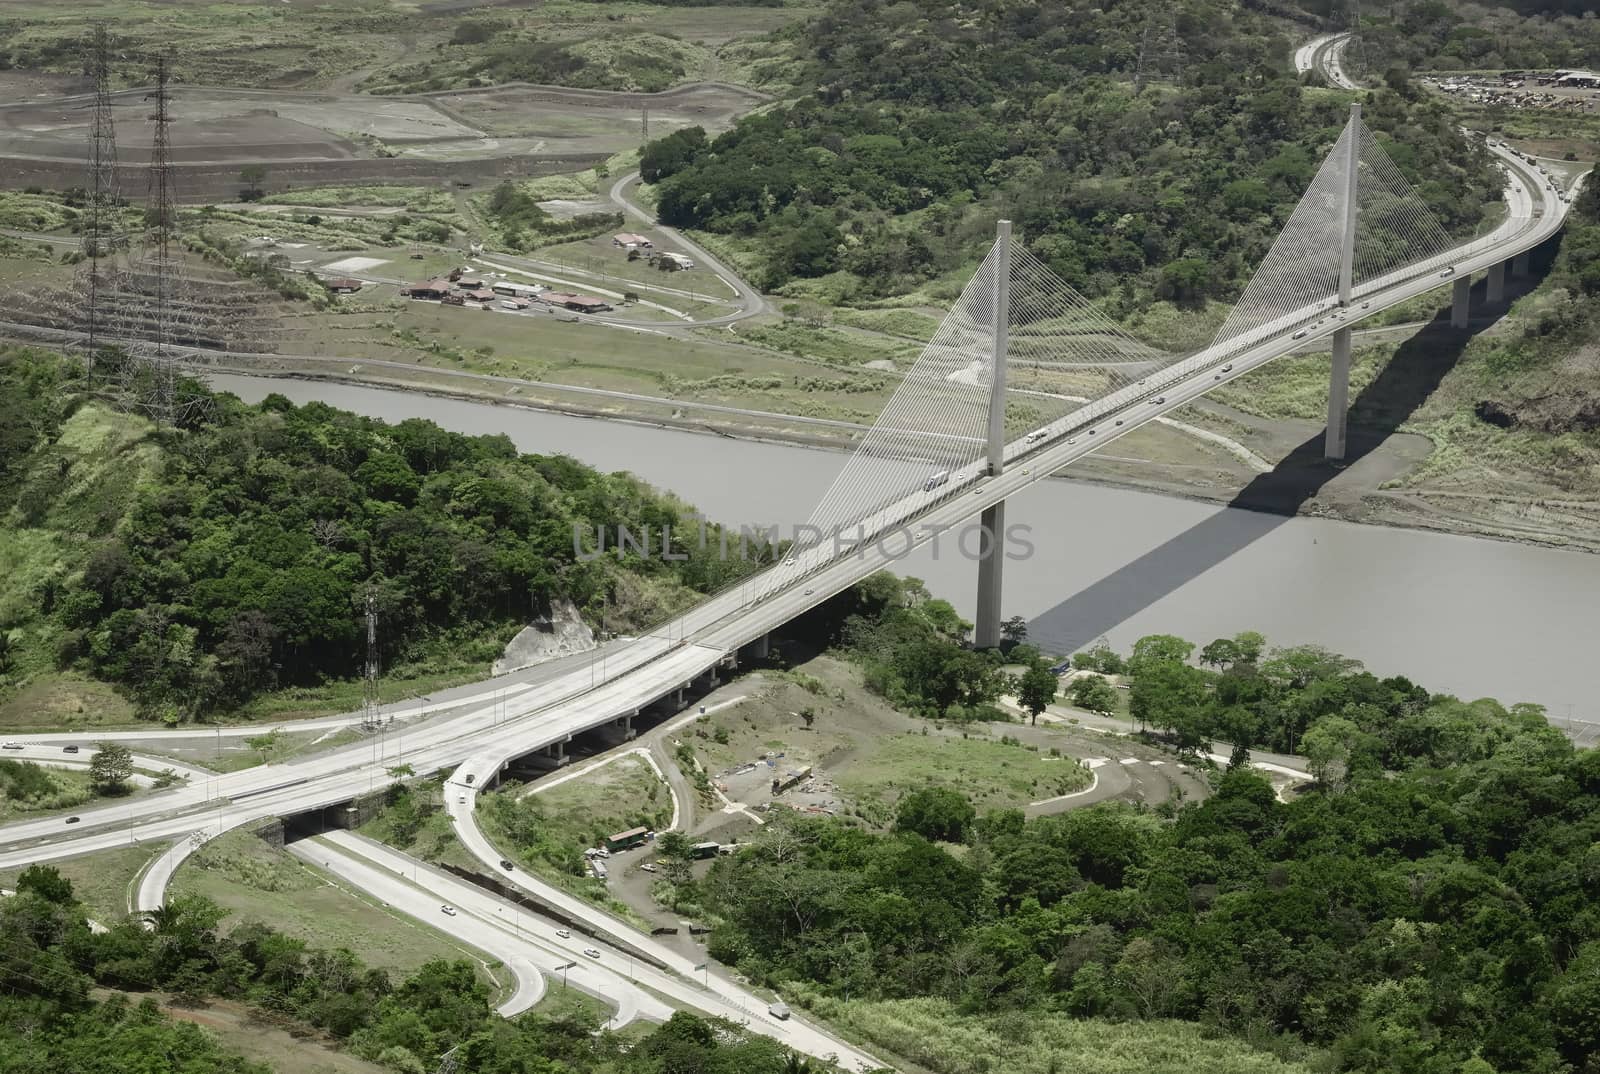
point(342, 285)
point(627, 240)
point(433, 290)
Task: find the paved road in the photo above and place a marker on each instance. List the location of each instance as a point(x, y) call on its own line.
point(750, 300)
point(1326, 54)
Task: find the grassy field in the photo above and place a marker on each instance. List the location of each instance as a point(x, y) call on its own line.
point(624, 794)
point(993, 774)
point(102, 881)
point(257, 882)
point(935, 1035)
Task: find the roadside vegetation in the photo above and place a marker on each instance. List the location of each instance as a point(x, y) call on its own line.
point(193, 607)
point(51, 1020)
point(1332, 931)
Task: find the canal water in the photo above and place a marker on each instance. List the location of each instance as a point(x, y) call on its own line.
point(1473, 617)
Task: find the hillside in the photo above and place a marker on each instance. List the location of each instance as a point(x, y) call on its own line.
point(203, 566)
point(1147, 153)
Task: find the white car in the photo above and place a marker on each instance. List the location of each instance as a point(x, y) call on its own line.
point(448, 910)
point(11, 746)
point(647, 867)
point(564, 934)
point(591, 952)
point(809, 592)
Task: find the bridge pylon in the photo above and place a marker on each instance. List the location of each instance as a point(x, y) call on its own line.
point(991, 556)
point(1334, 443)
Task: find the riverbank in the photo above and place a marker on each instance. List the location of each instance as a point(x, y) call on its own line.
point(1163, 460)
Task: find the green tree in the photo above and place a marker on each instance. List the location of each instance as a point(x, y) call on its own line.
point(1093, 693)
point(1036, 688)
point(252, 176)
point(936, 813)
point(1328, 746)
point(111, 767)
point(47, 883)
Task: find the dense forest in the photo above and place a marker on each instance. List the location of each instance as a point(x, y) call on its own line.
point(1519, 34)
point(50, 1022)
point(1428, 907)
point(201, 565)
point(1121, 138)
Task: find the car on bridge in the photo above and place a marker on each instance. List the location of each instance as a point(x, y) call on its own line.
point(591, 952)
point(447, 909)
point(11, 746)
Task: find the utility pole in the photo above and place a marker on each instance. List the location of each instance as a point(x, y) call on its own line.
point(1339, 372)
point(369, 683)
point(993, 520)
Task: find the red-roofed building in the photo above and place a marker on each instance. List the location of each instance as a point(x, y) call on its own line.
point(629, 241)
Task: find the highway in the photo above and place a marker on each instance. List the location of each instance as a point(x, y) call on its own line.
point(477, 742)
point(1326, 54)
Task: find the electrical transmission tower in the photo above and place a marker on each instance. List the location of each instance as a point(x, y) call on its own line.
point(101, 233)
point(158, 275)
point(370, 718)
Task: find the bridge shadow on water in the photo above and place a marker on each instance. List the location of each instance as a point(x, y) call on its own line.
point(1418, 367)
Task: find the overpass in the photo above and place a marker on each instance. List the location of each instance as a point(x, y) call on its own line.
point(960, 421)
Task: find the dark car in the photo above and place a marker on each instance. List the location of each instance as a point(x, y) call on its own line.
point(72, 820)
point(505, 863)
point(69, 749)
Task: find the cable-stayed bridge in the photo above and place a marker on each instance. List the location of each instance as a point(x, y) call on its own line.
point(1023, 377)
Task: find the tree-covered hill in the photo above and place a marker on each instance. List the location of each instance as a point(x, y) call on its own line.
point(1145, 150)
point(200, 566)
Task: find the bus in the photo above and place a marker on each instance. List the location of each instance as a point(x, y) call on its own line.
point(627, 840)
point(936, 480)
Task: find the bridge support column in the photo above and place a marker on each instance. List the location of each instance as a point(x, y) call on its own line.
point(987, 631)
point(990, 558)
point(1460, 296)
point(1333, 445)
point(1519, 265)
point(1496, 291)
point(761, 648)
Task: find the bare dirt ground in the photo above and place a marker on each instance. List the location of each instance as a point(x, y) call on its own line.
point(307, 138)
